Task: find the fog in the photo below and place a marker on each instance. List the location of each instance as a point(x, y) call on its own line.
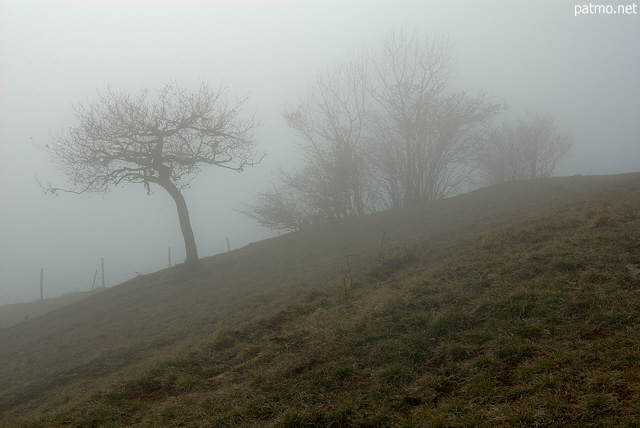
point(584, 70)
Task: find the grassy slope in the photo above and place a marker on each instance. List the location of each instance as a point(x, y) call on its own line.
point(18, 312)
point(508, 306)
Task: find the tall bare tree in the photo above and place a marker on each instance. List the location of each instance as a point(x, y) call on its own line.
point(331, 122)
point(426, 134)
point(529, 148)
point(120, 139)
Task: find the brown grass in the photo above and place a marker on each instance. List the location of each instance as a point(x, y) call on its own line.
point(507, 306)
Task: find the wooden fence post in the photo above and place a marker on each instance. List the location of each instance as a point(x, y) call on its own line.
point(41, 279)
point(102, 265)
point(94, 280)
point(169, 257)
point(228, 246)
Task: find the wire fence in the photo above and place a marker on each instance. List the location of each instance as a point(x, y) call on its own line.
point(57, 282)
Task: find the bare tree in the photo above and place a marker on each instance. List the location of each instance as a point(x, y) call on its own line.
point(122, 139)
point(426, 134)
point(282, 208)
point(530, 148)
point(331, 124)
point(499, 158)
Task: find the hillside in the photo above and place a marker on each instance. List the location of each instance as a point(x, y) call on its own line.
point(14, 313)
point(507, 306)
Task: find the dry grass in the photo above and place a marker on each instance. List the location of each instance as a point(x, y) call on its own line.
point(508, 306)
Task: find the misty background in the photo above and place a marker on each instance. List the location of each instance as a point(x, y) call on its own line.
point(584, 70)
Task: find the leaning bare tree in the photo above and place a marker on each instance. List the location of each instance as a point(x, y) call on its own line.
point(122, 139)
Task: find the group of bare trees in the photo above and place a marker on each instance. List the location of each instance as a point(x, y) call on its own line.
point(382, 130)
point(385, 130)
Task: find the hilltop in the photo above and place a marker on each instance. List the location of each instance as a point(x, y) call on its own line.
point(508, 306)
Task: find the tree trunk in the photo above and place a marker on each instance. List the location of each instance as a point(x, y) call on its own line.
point(185, 224)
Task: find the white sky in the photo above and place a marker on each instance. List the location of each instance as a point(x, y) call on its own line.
point(534, 55)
